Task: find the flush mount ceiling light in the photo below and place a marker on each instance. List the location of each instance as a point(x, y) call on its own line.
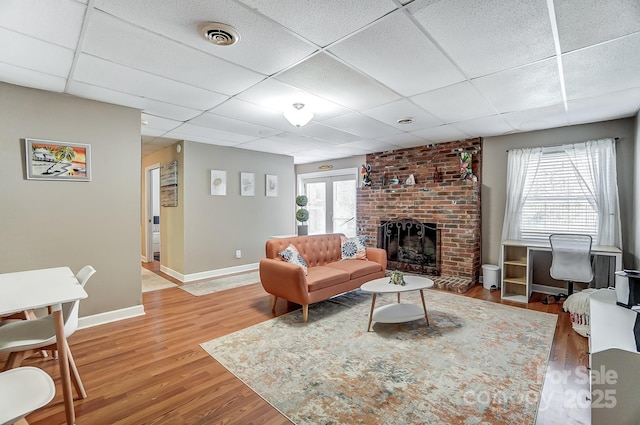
point(298, 116)
point(407, 120)
point(219, 34)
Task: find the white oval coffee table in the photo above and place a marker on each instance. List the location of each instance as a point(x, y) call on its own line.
point(398, 312)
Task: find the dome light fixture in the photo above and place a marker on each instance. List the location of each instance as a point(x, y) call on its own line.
point(298, 116)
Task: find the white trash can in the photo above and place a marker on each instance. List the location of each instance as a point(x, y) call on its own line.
point(490, 276)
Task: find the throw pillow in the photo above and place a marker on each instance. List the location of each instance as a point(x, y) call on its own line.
point(291, 255)
point(354, 248)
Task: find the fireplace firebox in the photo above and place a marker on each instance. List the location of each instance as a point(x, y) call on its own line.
point(411, 245)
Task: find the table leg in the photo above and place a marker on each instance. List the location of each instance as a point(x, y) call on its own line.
point(63, 361)
point(398, 297)
point(373, 304)
point(424, 306)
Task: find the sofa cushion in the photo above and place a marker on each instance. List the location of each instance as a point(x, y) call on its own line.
point(353, 248)
point(320, 277)
point(356, 268)
point(291, 255)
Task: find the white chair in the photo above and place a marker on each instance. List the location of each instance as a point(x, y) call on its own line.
point(22, 391)
point(571, 261)
point(21, 337)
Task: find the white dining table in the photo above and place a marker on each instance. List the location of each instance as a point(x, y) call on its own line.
point(51, 287)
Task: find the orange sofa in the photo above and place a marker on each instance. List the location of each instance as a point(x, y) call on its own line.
point(328, 275)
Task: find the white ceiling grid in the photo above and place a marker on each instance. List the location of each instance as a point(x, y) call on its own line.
point(459, 68)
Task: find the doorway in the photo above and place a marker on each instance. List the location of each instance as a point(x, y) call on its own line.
point(332, 202)
point(152, 228)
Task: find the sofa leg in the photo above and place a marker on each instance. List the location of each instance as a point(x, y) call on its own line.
point(273, 303)
point(305, 312)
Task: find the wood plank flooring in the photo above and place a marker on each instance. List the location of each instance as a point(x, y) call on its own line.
point(151, 370)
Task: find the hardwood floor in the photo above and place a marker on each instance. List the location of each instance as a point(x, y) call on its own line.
point(151, 370)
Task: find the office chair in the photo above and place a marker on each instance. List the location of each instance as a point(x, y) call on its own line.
point(571, 261)
point(22, 391)
point(21, 337)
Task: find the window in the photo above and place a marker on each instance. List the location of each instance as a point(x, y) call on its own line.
point(555, 200)
point(563, 189)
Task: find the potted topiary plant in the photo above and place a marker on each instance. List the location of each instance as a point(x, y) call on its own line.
point(302, 215)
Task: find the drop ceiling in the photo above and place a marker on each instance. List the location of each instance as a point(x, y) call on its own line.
point(459, 68)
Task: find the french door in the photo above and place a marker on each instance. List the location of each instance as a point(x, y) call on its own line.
point(332, 204)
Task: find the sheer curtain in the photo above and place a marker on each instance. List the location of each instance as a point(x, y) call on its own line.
point(518, 163)
point(600, 185)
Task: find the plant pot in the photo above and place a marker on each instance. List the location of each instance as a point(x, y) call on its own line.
point(303, 229)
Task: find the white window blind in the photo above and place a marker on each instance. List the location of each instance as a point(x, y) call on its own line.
point(555, 201)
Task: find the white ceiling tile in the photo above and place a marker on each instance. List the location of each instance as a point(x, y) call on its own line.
point(527, 87)
point(485, 126)
point(397, 53)
point(324, 76)
point(361, 125)
point(404, 140)
point(219, 122)
point(443, 133)
point(400, 109)
point(537, 119)
point(326, 21)
point(582, 23)
point(29, 53)
point(25, 77)
point(158, 123)
point(198, 136)
point(268, 145)
point(125, 44)
point(54, 21)
point(95, 71)
point(180, 21)
point(151, 132)
point(250, 112)
point(458, 102)
point(150, 106)
point(607, 67)
point(605, 107)
point(487, 36)
point(278, 96)
point(199, 130)
point(370, 145)
point(323, 132)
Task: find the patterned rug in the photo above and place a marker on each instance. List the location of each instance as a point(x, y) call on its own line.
point(221, 283)
point(478, 363)
point(153, 282)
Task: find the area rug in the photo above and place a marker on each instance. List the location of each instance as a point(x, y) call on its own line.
point(221, 283)
point(478, 362)
point(153, 282)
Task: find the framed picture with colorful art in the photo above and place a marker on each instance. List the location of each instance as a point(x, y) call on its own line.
point(51, 160)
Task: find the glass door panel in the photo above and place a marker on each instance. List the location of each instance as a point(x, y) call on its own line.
point(344, 207)
point(332, 204)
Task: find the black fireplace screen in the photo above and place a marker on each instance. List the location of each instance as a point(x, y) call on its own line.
point(411, 245)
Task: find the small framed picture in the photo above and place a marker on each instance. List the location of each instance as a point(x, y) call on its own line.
point(218, 183)
point(50, 160)
point(271, 185)
point(247, 184)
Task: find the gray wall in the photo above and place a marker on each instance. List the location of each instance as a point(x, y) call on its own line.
point(62, 223)
point(635, 229)
point(494, 175)
point(203, 232)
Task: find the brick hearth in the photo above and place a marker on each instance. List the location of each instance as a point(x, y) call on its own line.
point(452, 203)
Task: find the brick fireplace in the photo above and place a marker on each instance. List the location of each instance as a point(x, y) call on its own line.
point(440, 197)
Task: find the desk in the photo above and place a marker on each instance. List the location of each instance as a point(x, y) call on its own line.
point(517, 267)
point(33, 289)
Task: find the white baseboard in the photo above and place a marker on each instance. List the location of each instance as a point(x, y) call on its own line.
point(209, 274)
point(110, 316)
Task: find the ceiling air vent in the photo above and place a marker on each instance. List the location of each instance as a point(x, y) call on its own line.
point(407, 120)
point(219, 34)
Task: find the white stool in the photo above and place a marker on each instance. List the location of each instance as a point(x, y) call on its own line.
point(23, 390)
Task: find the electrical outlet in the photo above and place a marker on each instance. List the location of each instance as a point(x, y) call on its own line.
point(238, 253)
